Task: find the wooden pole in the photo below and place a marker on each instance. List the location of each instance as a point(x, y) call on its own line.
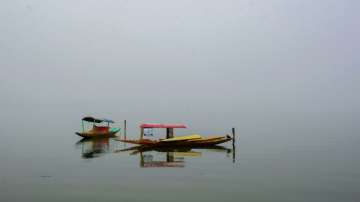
point(233, 135)
point(141, 133)
point(169, 133)
point(125, 129)
point(233, 145)
point(82, 124)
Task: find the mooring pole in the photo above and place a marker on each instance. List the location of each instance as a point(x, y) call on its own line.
point(125, 129)
point(233, 135)
point(233, 144)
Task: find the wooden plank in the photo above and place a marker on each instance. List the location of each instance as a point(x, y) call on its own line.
point(180, 138)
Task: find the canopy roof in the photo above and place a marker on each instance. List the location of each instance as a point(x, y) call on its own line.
point(92, 119)
point(157, 125)
point(108, 121)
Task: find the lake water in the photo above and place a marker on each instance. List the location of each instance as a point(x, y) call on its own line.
point(43, 160)
point(285, 74)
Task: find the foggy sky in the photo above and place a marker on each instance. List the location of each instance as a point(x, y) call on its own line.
point(145, 59)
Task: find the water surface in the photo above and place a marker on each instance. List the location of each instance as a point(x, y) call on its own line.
point(285, 74)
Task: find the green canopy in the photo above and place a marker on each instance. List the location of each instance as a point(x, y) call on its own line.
point(91, 119)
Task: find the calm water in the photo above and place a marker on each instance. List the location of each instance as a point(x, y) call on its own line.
point(285, 74)
point(43, 160)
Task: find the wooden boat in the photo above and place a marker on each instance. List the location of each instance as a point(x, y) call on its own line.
point(180, 141)
point(98, 131)
point(182, 138)
point(144, 148)
point(199, 142)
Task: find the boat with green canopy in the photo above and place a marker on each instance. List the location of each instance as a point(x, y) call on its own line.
point(98, 128)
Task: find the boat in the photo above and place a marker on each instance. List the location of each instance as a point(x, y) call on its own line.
point(98, 130)
point(199, 142)
point(182, 138)
point(193, 140)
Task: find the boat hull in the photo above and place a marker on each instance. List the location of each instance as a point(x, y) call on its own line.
point(205, 142)
point(93, 133)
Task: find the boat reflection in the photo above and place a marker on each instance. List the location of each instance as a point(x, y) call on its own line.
point(150, 157)
point(94, 147)
point(153, 157)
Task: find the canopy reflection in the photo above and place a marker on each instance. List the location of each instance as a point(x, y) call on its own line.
point(157, 157)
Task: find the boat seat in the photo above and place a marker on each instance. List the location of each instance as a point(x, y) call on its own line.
point(101, 128)
point(114, 129)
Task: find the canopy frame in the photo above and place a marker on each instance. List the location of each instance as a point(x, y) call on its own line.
point(94, 120)
point(169, 128)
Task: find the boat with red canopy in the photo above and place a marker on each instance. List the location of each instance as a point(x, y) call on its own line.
point(187, 140)
point(169, 128)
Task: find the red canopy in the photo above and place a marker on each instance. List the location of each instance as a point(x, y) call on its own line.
point(151, 125)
